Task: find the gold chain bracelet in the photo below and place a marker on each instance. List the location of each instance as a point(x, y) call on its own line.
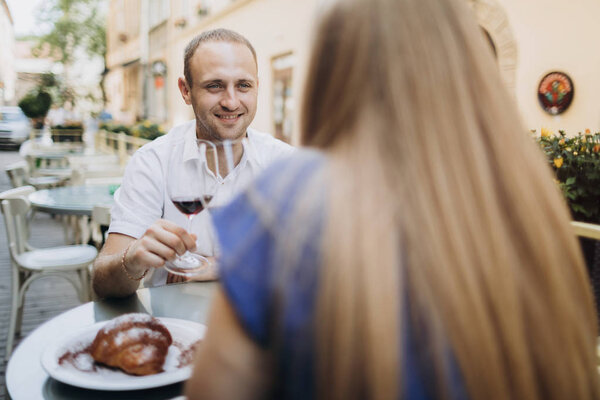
point(125, 268)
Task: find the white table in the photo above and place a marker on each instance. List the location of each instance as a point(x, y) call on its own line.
point(26, 379)
point(72, 200)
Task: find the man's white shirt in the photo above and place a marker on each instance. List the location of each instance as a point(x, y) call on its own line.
point(143, 198)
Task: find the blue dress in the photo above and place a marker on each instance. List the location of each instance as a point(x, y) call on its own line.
point(279, 313)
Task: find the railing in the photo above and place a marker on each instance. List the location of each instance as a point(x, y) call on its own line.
point(67, 135)
point(118, 143)
point(586, 230)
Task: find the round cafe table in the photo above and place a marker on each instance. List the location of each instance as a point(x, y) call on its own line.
point(26, 379)
point(72, 200)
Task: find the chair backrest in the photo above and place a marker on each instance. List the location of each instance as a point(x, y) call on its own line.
point(22, 191)
point(586, 230)
point(31, 162)
point(101, 215)
point(15, 211)
point(17, 173)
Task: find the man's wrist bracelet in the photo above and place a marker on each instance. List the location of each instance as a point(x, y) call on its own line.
point(125, 268)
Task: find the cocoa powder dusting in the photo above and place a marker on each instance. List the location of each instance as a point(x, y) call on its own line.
point(80, 359)
point(187, 353)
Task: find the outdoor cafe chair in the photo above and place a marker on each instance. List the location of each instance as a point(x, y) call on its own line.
point(586, 230)
point(29, 263)
point(18, 174)
point(100, 223)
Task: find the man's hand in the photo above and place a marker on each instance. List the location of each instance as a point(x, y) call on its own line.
point(162, 242)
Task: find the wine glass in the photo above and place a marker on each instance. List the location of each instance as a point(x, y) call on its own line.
point(186, 190)
point(191, 191)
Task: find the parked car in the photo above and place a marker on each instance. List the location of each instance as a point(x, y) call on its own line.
point(14, 126)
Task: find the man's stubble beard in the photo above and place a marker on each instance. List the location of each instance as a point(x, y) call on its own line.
point(208, 132)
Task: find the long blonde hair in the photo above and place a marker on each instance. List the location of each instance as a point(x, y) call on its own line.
point(439, 206)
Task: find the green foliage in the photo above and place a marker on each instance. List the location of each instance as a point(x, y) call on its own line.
point(116, 128)
point(576, 163)
point(76, 25)
point(36, 104)
point(55, 87)
point(148, 130)
point(74, 125)
point(145, 130)
point(48, 80)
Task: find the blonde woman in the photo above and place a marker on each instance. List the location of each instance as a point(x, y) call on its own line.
point(422, 252)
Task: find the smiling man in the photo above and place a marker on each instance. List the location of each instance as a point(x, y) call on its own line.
point(221, 84)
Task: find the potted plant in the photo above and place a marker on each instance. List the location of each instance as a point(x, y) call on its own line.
point(35, 105)
point(70, 131)
point(148, 130)
point(576, 164)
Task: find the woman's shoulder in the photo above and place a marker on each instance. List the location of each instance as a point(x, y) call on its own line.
point(251, 229)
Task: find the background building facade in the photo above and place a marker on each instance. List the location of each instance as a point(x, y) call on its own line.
point(530, 39)
point(123, 82)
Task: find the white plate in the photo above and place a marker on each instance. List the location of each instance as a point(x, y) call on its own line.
point(183, 332)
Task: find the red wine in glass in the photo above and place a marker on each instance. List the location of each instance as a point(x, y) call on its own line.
point(191, 206)
point(190, 190)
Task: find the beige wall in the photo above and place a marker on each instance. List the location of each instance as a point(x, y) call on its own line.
point(274, 27)
point(553, 35)
point(8, 76)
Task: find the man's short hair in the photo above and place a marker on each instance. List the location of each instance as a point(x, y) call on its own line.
point(215, 35)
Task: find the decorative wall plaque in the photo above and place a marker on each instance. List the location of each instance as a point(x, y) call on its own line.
point(555, 92)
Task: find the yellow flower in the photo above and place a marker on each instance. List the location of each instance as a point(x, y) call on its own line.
point(574, 153)
point(147, 124)
point(587, 132)
point(561, 142)
point(558, 162)
point(546, 132)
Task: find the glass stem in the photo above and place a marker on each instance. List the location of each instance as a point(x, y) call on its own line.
point(189, 222)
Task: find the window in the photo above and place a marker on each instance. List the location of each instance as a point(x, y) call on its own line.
point(283, 100)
